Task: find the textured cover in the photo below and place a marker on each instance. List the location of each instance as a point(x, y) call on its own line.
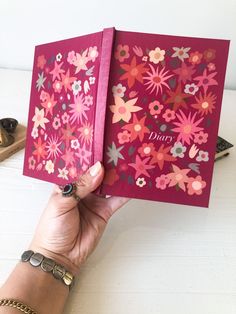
point(161, 113)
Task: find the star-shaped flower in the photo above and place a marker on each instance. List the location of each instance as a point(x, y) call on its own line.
point(114, 153)
point(68, 157)
point(122, 110)
point(206, 80)
point(57, 71)
point(49, 104)
point(177, 98)
point(40, 81)
point(83, 154)
point(39, 119)
point(141, 166)
point(185, 72)
point(67, 80)
point(137, 128)
point(68, 134)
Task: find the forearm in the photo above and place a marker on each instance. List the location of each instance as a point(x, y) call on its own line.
point(36, 288)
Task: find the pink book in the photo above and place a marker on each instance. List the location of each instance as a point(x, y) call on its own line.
point(146, 105)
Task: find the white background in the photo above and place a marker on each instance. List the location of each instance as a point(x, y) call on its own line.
point(26, 23)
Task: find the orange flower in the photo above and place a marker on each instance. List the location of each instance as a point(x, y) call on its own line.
point(195, 57)
point(133, 72)
point(136, 128)
point(178, 176)
point(177, 98)
point(209, 54)
point(111, 177)
point(161, 156)
point(39, 151)
point(205, 103)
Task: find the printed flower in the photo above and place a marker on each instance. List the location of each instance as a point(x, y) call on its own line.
point(39, 119)
point(177, 98)
point(49, 167)
point(206, 80)
point(111, 176)
point(57, 86)
point(71, 57)
point(156, 79)
point(211, 66)
point(40, 81)
point(161, 155)
point(122, 53)
point(114, 153)
point(123, 137)
point(181, 53)
point(178, 177)
point(209, 55)
point(147, 149)
point(65, 118)
point(56, 123)
point(93, 53)
point(145, 58)
point(57, 70)
point(52, 147)
point(202, 156)
point(59, 57)
point(205, 103)
point(169, 115)
point(83, 154)
point(185, 72)
point(41, 61)
point(68, 157)
point(156, 55)
point(63, 173)
point(178, 150)
point(68, 134)
point(44, 96)
point(155, 107)
point(195, 57)
point(88, 100)
point(76, 87)
point(195, 185)
point(133, 71)
point(138, 51)
point(137, 128)
point(34, 133)
point(79, 109)
point(193, 151)
point(187, 127)
point(141, 166)
point(86, 133)
point(200, 137)
point(73, 172)
point(80, 61)
point(118, 90)
point(74, 144)
point(122, 110)
point(67, 80)
point(191, 89)
point(92, 80)
point(31, 162)
point(162, 181)
point(39, 151)
point(49, 104)
point(140, 182)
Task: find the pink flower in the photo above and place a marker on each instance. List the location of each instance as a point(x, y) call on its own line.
point(195, 57)
point(161, 182)
point(41, 61)
point(138, 51)
point(200, 137)
point(93, 53)
point(73, 172)
point(178, 177)
point(169, 115)
point(57, 86)
point(78, 111)
point(44, 96)
point(147, 149)
point(88, 100)
point(65, 117)
point(86, 133)
point(195, 185)
point(205, 80)
point(122, 52)
point(155, 107)
point(56, 123)
point(123, 137)
point(71, 57)
point(31, 162)
point(141, 166)
point(211, 66)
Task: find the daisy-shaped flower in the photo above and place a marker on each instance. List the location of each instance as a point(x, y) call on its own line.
point(156, 55)
point(83, 154)
point(205, 103)
point(162, 182)
point(78, 111)
point(156, 79)
point(86, 133)
point(49, 104)
point(41, 61)
point(146, 149)
point(187, 127)
point(32, 162)
point(178, 150)
point(118, 90)
point(122, 52)
point(162, 155)
point(39, 151)
point(52, 147)
point(177, 98)
point(191, 89)
point(185, 72)
point(205, 80)
point(178, 177)
point(122, 110)
point(181, 53)
point(114, 153)
point(137, 128)
point(49, 167)
point(63, 173)
point(123, 137)
point(39, 119)
point(141, 166)
point(196, 185)
point(140, 182)
point(93, 53)
point(133, 72)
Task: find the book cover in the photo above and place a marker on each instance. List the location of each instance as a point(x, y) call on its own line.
point(146, 105)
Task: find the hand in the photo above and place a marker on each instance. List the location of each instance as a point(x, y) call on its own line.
point(69, 231)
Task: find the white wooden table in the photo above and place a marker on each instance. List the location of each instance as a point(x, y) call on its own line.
point(153, 257)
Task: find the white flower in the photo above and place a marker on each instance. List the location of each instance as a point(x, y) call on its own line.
point(76, 87)
point(191, 89)
point(181, 53)
point(140, 182)
point(34, 133)
point(74, 144)
point(49, 166)
point(202, 156)
point(63, 173)
point(178, 150)
point(39, 119)
point(156, 55)
point(91, 80)
point(144, 58)
point(86, 87)
point(58, 57)
point(93, 53)
point(118, 90)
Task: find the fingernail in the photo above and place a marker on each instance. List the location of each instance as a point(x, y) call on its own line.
point(95, 169)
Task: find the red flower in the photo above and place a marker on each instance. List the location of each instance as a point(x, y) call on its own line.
point(195, 185)
point(137, 128)
point(68, 133)
point(41, 61)
point(195, 57)
point(209, 54)
point(146, 149)
point(177, 98)
point(205, 103)
point(39, 151)
point(141, 166)
point(155, 107)
point(122, 53)
point(161, 156)
point(133, 72)
point(110, 177)
point(185, 72)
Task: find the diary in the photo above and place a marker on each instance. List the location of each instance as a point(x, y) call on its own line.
point(146, 105)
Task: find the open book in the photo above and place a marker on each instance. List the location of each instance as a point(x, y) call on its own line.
point(146, 105)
